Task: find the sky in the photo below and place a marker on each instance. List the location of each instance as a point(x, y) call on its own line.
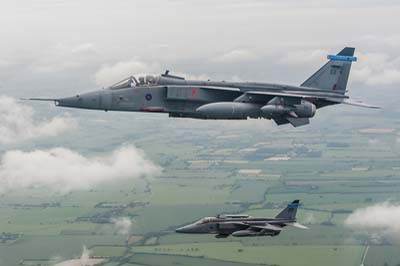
point(56, 48)
point(63, 47)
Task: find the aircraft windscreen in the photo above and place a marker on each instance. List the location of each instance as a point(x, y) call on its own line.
point(125, 83)
point(205, 220)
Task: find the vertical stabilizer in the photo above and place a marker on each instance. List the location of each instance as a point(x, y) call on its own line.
point(333, 76)
point(289, 213)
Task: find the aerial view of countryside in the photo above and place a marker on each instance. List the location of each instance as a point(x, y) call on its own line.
point(341, 163)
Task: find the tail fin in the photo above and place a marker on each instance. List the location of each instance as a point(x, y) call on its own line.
point(334, 74)
point(289, 213)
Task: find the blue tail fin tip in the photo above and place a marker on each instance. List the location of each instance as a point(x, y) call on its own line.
point(342, 58)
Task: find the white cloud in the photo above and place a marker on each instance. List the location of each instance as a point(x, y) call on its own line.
point(235, 56)
point(110, 74)
point(122, 225)
point(84, 48)
point(62, 170)
point(310, 218)
point(380, 220)
point(85, 260)
point(17, 122)
point(302, 57)
point(376, 69)
point(85, 253)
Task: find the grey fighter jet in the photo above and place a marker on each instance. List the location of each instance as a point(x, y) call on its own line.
point(243, 225)
point(225, 100)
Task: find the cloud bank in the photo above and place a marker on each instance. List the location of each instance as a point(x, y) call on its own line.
point(17, 122)
point(379, 220)
point(63, 170)
point(377, 69)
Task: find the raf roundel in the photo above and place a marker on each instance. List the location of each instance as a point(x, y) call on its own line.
point(149, 97)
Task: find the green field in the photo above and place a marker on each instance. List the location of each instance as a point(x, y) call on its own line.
point(209, 169)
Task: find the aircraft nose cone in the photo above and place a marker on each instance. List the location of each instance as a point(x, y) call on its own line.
point(180, 230)
point(184, 229)
point(69, 101)
point(89, 100)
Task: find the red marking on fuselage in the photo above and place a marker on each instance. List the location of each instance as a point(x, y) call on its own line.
point(152, 109)
point(194, 91)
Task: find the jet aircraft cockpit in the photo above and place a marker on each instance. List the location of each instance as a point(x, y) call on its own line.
point(148, 80)
point(206, 220)
point(130, 82)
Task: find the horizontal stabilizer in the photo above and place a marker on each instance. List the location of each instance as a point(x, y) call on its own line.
point(354, 103)
point(360, 104)
point(297, 225)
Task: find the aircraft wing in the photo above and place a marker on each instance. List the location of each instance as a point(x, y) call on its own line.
point(267, 227)
point(272, 93)
point(331, 97)
point(239, 224)
point(298, 94)
point(219, 88)
point(290, 96)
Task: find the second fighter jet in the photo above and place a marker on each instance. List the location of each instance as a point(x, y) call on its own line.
point(244, 225)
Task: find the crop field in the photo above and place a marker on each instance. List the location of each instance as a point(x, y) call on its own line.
point(210, 168)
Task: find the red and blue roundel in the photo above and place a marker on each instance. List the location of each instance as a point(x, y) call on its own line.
point(148, 97)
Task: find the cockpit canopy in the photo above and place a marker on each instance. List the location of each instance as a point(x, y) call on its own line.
point(206, 220)
point(131, 82)
point(147, 80)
